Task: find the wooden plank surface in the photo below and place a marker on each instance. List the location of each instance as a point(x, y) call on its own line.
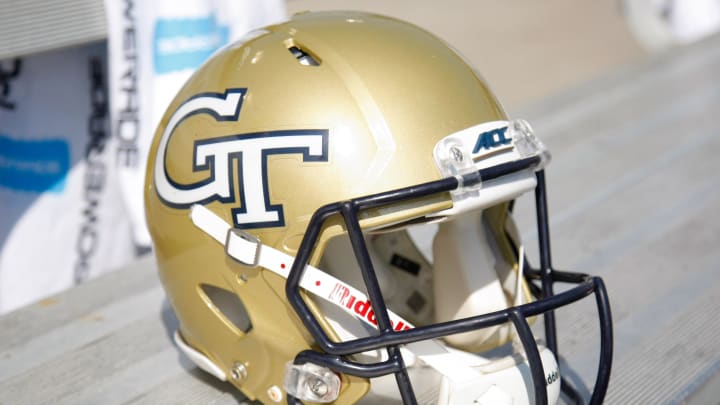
point(634, 190)
point(30, 26)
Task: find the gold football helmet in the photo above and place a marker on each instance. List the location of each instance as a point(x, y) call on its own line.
point(330, 201)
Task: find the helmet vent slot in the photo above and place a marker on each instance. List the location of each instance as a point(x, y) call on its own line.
point(228, 307)
point(303, 56)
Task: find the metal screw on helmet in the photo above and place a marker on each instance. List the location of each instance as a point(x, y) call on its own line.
point(310, 382)
point(275, 393)
point(318, 387)
point(456, 154)
point(239, 372)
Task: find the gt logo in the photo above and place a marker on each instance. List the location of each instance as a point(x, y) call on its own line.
point(215, 156)
point(491, 139)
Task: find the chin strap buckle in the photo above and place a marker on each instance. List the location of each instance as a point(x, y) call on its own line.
point(243, 247)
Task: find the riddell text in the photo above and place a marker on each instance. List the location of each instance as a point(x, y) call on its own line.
point(362, 308)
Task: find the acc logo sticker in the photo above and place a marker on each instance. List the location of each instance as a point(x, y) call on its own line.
point(491, 139)
point(215, 157)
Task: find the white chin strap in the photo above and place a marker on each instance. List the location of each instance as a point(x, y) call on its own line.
point(468, 378)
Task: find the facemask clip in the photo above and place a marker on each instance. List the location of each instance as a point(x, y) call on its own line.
point(310, 382)
point(455, 160)
point(527, 144)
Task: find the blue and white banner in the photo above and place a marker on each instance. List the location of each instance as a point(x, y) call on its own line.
point(62, 218)
point(154, 47)
point(75, 129)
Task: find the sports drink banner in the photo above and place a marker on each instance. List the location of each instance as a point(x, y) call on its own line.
point(74, 136)
point(154, 47)
point(62, 218)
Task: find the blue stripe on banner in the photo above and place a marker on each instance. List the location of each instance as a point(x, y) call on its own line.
point(34, 165)
point(185, 43)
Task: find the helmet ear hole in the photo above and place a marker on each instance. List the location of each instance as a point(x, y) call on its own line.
point(228, 307)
